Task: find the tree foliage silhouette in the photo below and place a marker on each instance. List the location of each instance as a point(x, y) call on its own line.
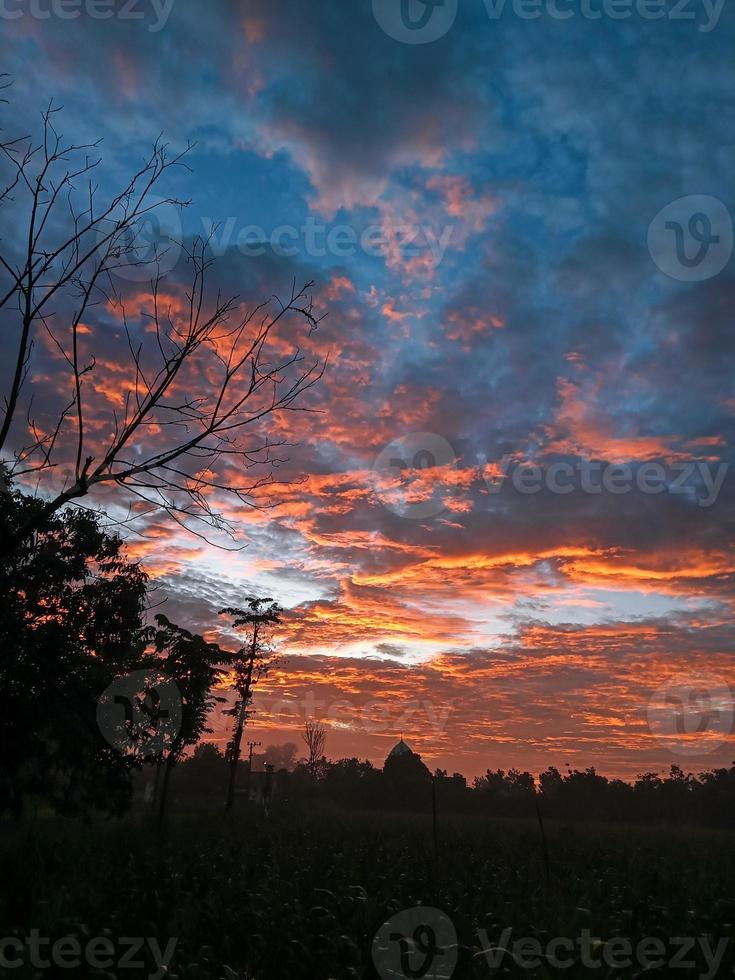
point(72, 623)
point(71, 620)
point(195, 666)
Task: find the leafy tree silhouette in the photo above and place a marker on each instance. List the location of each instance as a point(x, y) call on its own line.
point(71, 621)
point(195, 666)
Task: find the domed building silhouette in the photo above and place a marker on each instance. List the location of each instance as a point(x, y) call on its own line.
point(400, 748)
point(406, 777)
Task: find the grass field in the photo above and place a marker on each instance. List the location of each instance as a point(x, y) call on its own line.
point(303, 896)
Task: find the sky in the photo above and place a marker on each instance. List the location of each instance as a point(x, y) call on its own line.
point(504, 528)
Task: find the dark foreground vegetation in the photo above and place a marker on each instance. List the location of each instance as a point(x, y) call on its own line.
point(300, 896)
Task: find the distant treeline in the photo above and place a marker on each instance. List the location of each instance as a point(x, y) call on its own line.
point(405, 783)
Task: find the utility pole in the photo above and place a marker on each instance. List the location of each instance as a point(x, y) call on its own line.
point(251, 745)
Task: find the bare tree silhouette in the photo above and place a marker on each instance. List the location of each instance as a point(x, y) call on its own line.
point(315, 737)
point(202, 378)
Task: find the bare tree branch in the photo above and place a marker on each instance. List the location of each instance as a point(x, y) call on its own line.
point(205, 375)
